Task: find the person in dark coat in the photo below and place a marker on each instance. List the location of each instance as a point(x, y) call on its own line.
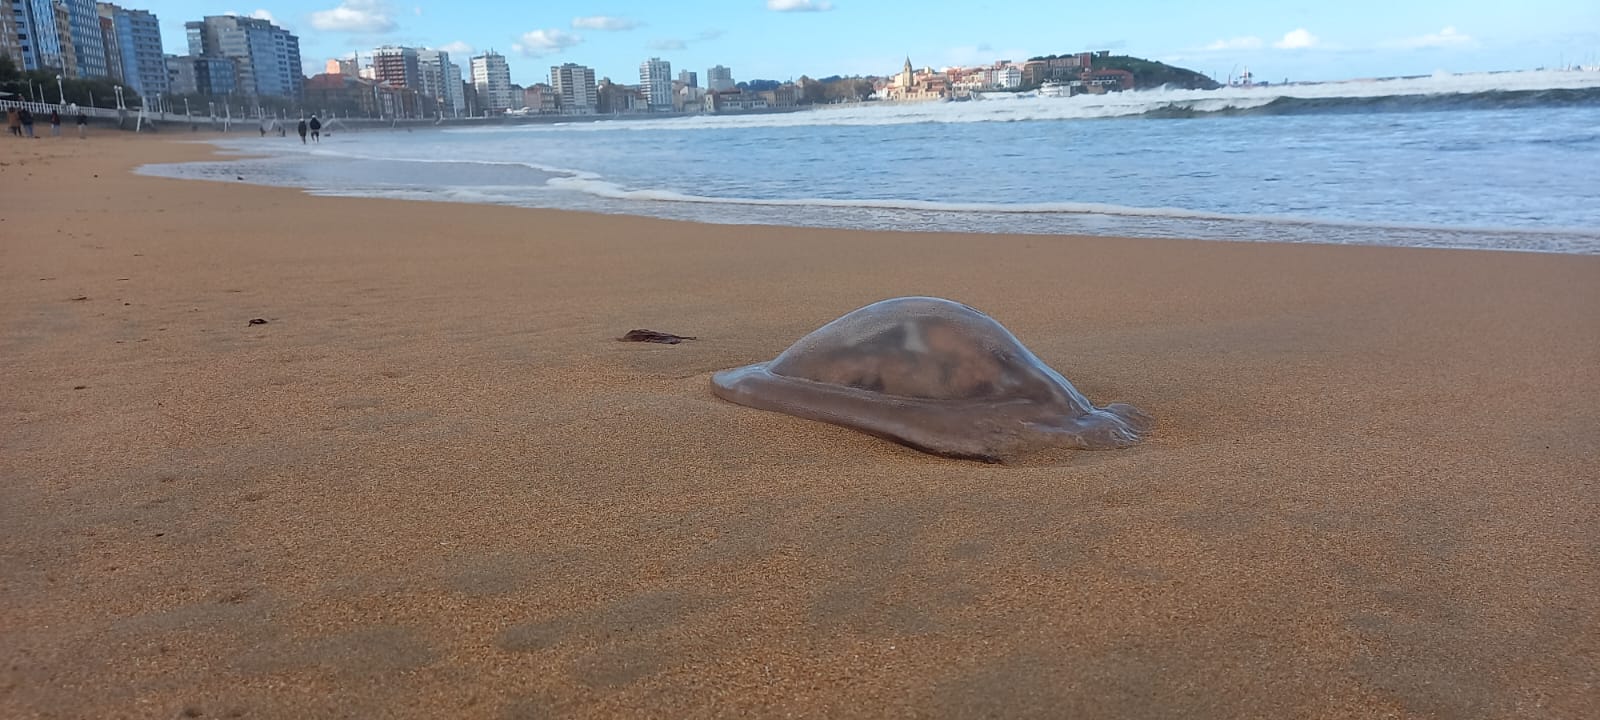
point(302, 130)
point(27, 122)
point(316, 129)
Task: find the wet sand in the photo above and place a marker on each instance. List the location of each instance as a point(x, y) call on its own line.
point(433, 485)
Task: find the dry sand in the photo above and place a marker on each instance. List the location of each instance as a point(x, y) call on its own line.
point(434, 486)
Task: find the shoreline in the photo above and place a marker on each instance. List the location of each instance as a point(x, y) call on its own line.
point(361, 175)
point(434, 485)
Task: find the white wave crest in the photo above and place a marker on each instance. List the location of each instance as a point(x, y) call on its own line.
point(614, 191)
point(1008, 107)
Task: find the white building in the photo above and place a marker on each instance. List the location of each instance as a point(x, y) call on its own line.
point(719, 79)
point(1008, 77)
point(441, 80)
point(575, 88)
point(655, 81)
point(492, 78)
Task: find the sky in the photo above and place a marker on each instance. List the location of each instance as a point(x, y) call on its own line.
point(784, 39)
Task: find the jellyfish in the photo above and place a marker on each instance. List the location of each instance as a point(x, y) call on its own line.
point(935, 375)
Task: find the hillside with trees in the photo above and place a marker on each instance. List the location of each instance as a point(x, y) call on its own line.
point(1150, 73)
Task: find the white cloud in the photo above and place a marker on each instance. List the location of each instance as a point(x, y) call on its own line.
point(1447, 37)
point(668, 44)
point(606, 23)
point(799, 5)
point(356, 16)
point(456, 48)
point(1248, 42)
point(538, 43)
point(1297, 39)
point(416, 10)
point(708, 35)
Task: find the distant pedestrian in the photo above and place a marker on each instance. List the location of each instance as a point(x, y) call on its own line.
point(55, 123)
point(302, 130)
point(316, 129)
point(14, 122)
point(27, 122)
point(83, 124)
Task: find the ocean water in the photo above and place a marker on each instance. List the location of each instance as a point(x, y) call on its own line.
point(1491, 161)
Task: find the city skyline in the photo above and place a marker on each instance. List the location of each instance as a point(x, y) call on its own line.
point(783, 39)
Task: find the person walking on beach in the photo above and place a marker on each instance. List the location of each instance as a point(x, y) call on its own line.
point(14, 122)
point(27, 122)
point(302, 130)
point(316, 129)
point(55, 123)
point(83, 124)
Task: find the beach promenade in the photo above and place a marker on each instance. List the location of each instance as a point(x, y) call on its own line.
point(433, 485)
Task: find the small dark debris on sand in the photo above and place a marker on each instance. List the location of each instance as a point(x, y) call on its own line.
point(80, 298)
point(653, 337)
point(258, 321)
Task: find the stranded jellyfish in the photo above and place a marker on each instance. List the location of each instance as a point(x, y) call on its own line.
point(935, 375)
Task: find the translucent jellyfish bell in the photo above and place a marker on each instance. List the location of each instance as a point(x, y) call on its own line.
point(935, 375)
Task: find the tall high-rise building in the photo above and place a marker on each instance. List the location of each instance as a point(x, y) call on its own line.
point(689, 78)
point(655, 82)
point(441, 80)
point(135, 49)
point(267, 57)
point(575, 89)
point(492, 78)
point(64, 39)
point(397, 66)
point(61, 35)
point(88, 45)
point(108, 40)
point(719, 79)
point(38, 42)
point(10, 39)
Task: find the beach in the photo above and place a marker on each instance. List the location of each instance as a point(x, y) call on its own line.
point(433, 484)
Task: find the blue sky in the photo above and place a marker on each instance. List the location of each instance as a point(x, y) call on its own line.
point(782, 39)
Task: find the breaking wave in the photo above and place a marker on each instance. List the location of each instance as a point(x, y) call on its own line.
point(1479, 91)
